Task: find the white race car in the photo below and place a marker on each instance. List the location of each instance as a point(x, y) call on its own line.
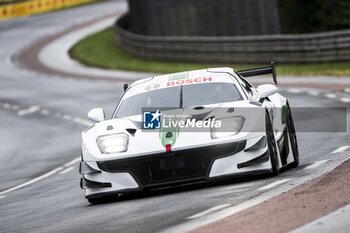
point(201, 125)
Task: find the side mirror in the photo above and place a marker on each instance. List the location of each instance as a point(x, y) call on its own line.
point(96, 114)
point(266, 90)
point(126, 86)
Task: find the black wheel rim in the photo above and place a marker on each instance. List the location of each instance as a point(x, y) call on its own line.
point(272, 144)
point(292, 134)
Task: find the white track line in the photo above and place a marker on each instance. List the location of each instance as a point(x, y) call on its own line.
point(215, 208)
point(273, 184)
point(77, 120)
point(15, 107)
point(30, 110)
point(66, 170)
point(67, 117)
point(294, 91)
point(69, 166)
point(6, 105)
point(74, 161)
point(193, 224)
point(85, 122)
point(314, 93)
point(315, 164)
point(32, 181)
point(341, 149)
point(45, 112)
point(345, 100)
point(62, 60)
point(330, 95)
point(82, 121)
point(58, 115)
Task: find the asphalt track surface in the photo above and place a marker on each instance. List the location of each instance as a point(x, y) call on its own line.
point(42, 117)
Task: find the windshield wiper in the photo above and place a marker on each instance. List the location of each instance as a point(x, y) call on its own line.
point(181, 97)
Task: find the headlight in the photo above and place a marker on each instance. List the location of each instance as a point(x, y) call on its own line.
point(229, 127)
point(113, 143)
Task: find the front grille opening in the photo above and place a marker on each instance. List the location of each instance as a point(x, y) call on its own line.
point(181, 165)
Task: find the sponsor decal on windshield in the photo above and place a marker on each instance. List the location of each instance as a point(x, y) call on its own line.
point(189, 81)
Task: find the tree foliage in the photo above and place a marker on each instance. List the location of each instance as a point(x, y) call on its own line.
point(303, 16)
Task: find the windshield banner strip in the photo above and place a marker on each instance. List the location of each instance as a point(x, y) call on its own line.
point(178, 76)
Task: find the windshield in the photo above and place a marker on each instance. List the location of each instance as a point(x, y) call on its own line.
point(178, 97)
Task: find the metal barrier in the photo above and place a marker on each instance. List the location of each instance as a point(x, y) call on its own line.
point(302, 48)
point(204, 17)
point(11, 9)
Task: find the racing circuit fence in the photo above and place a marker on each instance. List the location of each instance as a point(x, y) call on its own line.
point(11, 9)
point(299, 48)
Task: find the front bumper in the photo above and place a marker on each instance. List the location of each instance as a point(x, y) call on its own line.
point(183, 166)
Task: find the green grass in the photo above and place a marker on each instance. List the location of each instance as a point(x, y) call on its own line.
point(101, 50)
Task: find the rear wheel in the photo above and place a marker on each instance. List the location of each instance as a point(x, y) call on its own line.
point(293, 138)
point(272, 146)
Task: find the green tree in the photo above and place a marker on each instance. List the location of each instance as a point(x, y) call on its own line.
point(303, 16)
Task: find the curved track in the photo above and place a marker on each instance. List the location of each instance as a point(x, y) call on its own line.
point(41, 120)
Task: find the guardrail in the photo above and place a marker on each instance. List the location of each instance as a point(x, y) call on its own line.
point(11, 9)
point(302, 48)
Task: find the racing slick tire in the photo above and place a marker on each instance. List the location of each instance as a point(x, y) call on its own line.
point(272, 146)
point(293, 138)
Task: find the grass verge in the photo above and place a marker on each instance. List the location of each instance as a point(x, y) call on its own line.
point(101, 50)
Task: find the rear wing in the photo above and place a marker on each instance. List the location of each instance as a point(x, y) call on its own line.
point(260, 71)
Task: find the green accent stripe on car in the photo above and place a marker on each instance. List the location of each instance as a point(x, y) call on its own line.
point(284, 111)
point(178, 76)
point(168, 140)
point(168, 135)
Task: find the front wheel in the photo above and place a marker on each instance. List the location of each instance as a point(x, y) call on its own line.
point(293, 138)
point(272, 146)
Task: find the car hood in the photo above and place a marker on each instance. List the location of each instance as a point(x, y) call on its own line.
point(143, 141)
